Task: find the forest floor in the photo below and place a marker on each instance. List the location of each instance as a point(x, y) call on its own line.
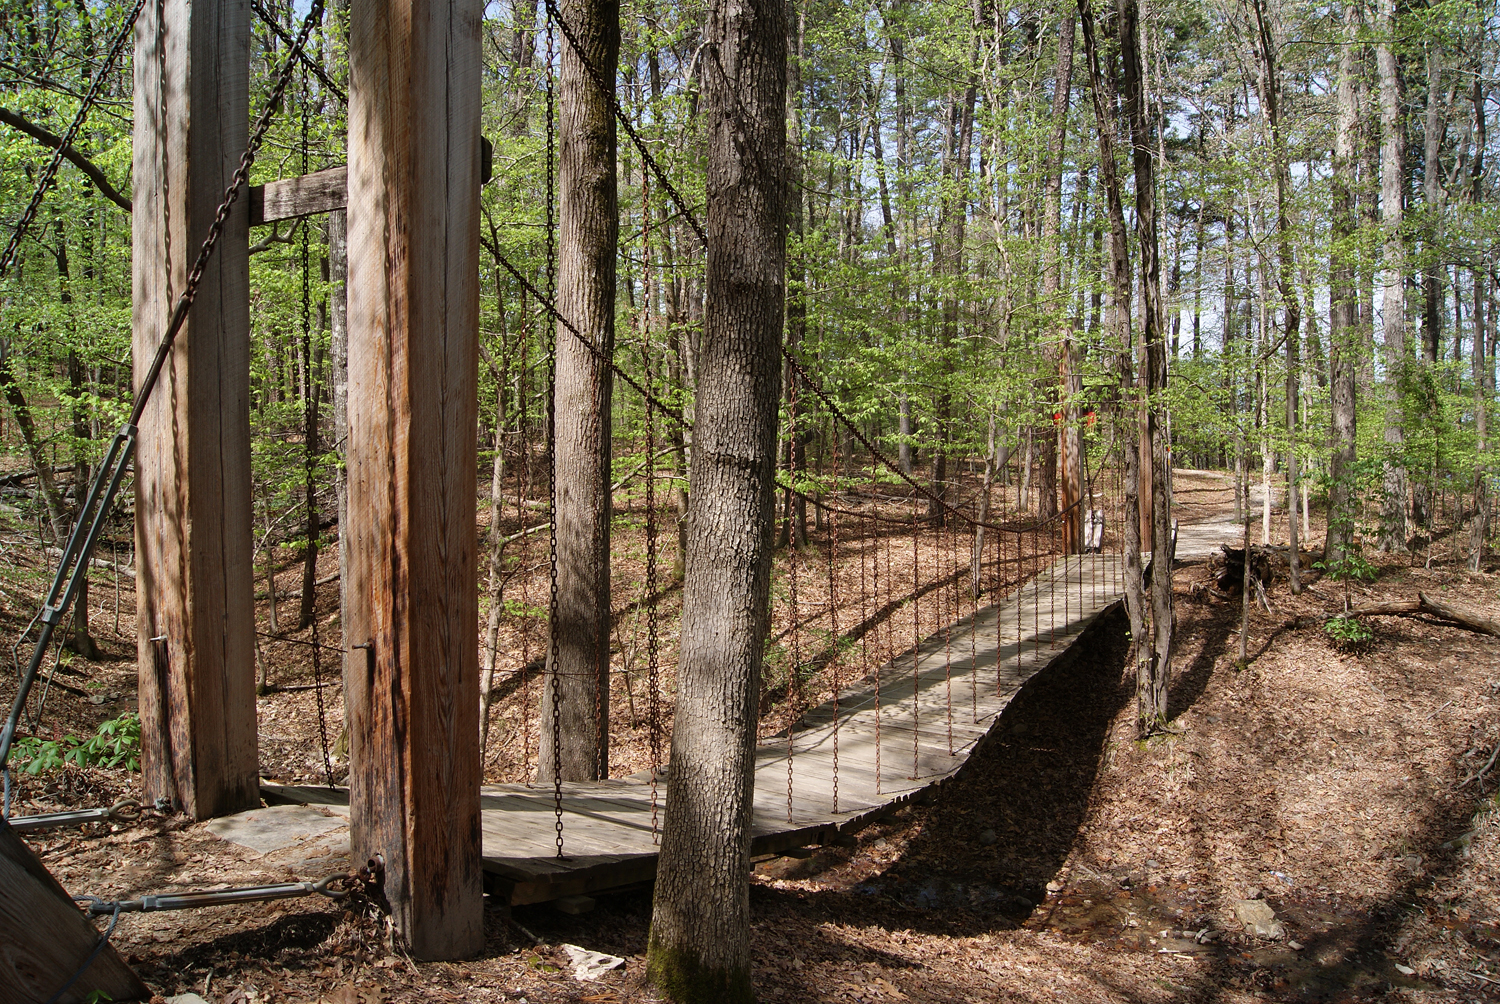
point(1068, 862)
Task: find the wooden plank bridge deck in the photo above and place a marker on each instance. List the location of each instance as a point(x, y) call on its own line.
point(937, 704)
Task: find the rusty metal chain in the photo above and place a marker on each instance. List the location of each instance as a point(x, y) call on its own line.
point(833, 626)
point(126, 810)
point(653, 641)
point(551, 295)
point(310, 421)
point(44, 182)
point(308, 63)
point(609, 93)
point(947, 619)
point(340, 886)
point(916, 644)
point(74, 562)
point(794, 529)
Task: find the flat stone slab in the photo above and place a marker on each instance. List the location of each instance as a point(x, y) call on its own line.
point(275, 827)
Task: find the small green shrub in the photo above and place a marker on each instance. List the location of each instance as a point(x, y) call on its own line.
point(1348, 634)
point(116, 744)
point(38, 756)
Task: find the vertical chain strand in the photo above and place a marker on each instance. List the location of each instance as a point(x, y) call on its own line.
point(552, 642)
point(653, 657)
point(833, 621)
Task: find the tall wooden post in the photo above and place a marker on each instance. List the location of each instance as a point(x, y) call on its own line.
point(195, 617)
point(413, 694)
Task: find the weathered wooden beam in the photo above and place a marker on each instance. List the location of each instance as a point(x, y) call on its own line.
point(413, 694)
point(290, 198)
point(195, 623)
point(44, 940)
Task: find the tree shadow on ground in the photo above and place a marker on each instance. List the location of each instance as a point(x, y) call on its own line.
point(1189, 684)
point(979, 855)
point(982, 852)
point(284, 941)
point(1350, 960)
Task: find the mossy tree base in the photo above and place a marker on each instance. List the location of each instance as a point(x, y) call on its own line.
point(680, 974)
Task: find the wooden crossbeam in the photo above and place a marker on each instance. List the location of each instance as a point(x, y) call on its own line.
point(290, 198)
point(322, 191)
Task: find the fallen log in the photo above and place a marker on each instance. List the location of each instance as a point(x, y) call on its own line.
point(1468, 618)
point(1392, 608)
point(1425, 604)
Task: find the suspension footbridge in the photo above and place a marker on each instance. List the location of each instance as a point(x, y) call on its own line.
point(888, 737)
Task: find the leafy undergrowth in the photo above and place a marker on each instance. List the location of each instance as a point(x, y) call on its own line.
point(1069, 862)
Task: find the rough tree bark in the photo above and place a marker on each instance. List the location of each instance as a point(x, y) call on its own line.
point(1101, 89)
point(1343, 327)
point(1393, 525)
point(1270, 98)
point(1070, 377)
point(699, 947)
point(952, 224)
point(1479, 528)
point(578, 667)
point(1154, 672)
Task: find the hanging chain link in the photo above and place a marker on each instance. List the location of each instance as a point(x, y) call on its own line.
point(875, 591)
point(44, 182)
point(74, 562)
point(653, 655)
point(916, 643)
point(310, 405)
point(794, 531)
point(555, 679)
point(833, 622)
point(367, 881)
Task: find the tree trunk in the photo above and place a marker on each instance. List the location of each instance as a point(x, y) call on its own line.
point(496, 584)
point(1432, 196)
point(578, 663)
point(1270, 93)
point(57, 516)
point(1101, 89)
point(953, 227)
point(1393, 526)
point(78, 638)
point(1344, 341)
point(699, 945)
point(1154, 672)
point(1070, 380)
point(903, 444)
point(1478, 360)
point(522, 55)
